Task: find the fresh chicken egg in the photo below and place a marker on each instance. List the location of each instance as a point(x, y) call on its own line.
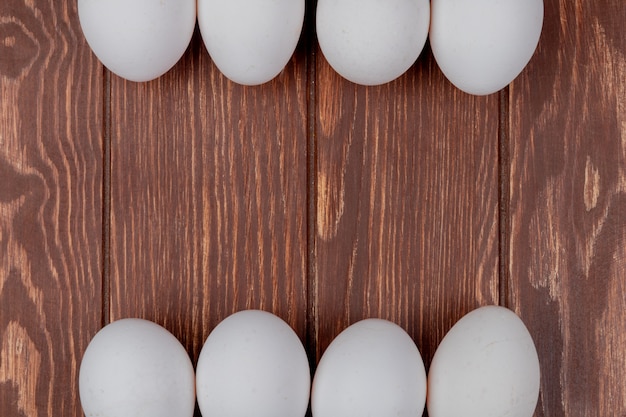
point(372, 42)
point(486, 365)
point(253, 364)
point(250, 41)
point(138, 40)
point(134, 367)
point(483, 45)
point(372, 368)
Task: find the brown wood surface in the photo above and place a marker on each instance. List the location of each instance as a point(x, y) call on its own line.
point(567, 207)
point(187, 198)
point(50, 207)
point(407, 203)
point(209, 197)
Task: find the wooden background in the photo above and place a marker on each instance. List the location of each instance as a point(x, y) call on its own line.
point(188, 198)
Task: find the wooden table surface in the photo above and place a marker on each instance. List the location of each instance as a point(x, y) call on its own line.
point(188, 198)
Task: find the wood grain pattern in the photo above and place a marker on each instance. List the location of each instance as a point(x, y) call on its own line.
point(209, 197)
point(407, 203)
point(568, 207)
point(50, 206)
point(187, 198)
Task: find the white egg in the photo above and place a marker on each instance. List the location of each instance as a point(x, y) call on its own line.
point(372, 368)
point(485, 366)
point(134, 367)
point(139, 40)
point(483, 45)
point(250, 41)
point(372, 42)
point(253, 364)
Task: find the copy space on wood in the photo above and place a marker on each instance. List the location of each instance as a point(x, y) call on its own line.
point(568, 207)
point(208, 197)
point(407, 203)
point(50, 206)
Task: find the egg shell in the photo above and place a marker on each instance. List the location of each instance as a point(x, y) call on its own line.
point(138, 40)
point(372, 368)
point(483, 45)
point(253, 364)
point(372, 42)
point(485, 366)
point(134, 367)
point(250, 41)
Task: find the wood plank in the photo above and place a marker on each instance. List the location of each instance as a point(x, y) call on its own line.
point(407, 203)
point(568, 203)
point(50, 206)
point(208, 197)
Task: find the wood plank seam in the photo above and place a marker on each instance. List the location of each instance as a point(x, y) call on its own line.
point(504, 174)
point(311, 170)
point(106, 199)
